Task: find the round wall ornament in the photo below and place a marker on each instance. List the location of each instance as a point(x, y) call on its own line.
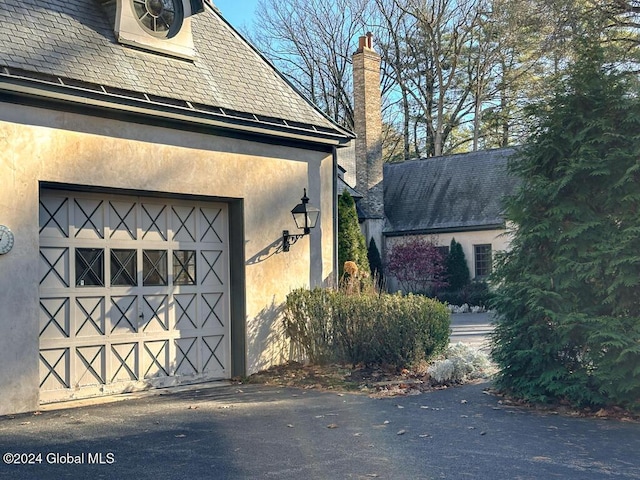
point(6, 239)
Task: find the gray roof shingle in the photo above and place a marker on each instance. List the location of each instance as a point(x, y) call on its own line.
point(74, 39)
point(463, 192)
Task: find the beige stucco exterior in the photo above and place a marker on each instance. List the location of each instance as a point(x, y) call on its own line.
point(39, 145)
point(498, 239)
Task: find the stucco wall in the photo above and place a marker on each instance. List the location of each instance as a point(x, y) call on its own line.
point(498, 239)
point(37, 145)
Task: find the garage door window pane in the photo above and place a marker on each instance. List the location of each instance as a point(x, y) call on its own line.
point(89, 267)
point(124, 267)
point(184, 267)
point(154, 267)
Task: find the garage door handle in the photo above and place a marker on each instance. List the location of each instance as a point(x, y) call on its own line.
point(141, 316)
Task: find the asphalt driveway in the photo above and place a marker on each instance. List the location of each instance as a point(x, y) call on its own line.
point(472, 329)
point(252, 431)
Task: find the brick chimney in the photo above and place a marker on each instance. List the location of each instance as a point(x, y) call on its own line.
point(368, 127)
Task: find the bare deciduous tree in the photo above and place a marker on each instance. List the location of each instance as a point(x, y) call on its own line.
point(433, 54)
point(311, 41)
point(456, 74)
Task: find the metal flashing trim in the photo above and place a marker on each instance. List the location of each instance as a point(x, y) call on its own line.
point(63, 89)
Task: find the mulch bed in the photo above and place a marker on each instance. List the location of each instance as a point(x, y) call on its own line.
point(381, 382)
point(372, 381)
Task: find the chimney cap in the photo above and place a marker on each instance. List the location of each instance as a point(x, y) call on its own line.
point(365, 42)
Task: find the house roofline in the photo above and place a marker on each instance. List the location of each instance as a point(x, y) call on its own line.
point(434, 231)
point(277, 71)
point(53, 89)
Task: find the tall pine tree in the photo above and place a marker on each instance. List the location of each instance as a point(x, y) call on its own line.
point(457, 269)
point(568, 296)
point(375, 263)
point(351, 242)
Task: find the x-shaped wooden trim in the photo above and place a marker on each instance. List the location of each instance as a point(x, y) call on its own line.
point(123, 314)
point(52, 318)
point(212, 351)
point(211, 264)
point(89, 218)
point(52, 217)
point(52, 369)
point(123, 361)
point(52, 266)
point(183, 309)
point(154, 312)
point(122, 220)
point(89, 363)
point(183, 223)
point(153, 222)
point(154, 357)
point(212, 308)
point(185, 355)
point(184, 266)
point(89, 315)
point(210, 224)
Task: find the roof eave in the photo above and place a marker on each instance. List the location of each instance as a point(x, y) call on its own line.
point(277, 71)
point(439, 230)
point(25, 87)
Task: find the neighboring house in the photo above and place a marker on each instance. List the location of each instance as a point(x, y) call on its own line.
point(457, 196)
point(150, 160)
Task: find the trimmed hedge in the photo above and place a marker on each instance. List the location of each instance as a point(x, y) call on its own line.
point(332, 326)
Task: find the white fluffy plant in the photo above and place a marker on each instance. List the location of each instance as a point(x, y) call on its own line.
point(461, 363)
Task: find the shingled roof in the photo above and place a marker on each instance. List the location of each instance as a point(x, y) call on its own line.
point(71, 43)
point(450, 193)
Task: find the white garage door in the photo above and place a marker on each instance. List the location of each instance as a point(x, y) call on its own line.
point(134, 293)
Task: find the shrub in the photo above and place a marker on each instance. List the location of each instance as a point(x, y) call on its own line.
point(396, 330)
point(473, 294)
point(418, 265)
point(408, 329)
point(460, 363)
point(442, 371)
point(305, 314)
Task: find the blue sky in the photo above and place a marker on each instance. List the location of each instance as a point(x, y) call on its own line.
point(238, 12)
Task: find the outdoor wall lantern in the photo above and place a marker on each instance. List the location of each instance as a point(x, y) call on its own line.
point(306, 216)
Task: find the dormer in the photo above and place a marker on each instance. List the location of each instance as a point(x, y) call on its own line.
point(162, 26)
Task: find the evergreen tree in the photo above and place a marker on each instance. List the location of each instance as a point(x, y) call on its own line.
point(351, 243)
point(375, 263)
point(458, 275)
point(568, 296)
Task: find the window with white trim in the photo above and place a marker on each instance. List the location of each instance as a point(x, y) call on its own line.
point(483, 260)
